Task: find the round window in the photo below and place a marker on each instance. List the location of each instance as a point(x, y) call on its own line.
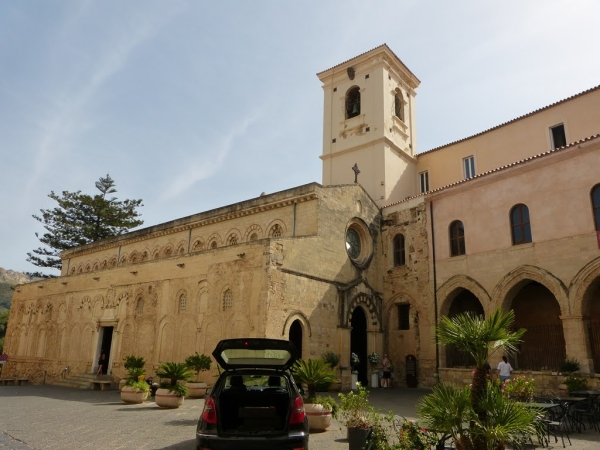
point(359, 243)
point(352, 243)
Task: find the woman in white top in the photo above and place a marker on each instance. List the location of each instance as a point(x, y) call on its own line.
point(504, 369)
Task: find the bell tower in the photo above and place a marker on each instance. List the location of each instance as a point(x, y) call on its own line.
point(369, 127)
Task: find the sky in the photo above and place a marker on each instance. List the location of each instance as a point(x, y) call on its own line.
point(193, 105)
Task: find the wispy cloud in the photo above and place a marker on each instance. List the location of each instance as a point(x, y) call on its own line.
point(208, 166)
point(113, 56)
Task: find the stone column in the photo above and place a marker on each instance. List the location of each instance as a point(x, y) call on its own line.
point(343, 339)
point(576, 341)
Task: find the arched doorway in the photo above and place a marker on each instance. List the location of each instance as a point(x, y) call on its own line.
point(296, 336)
point(464, 302)
point(358, 342)
point(537, 310)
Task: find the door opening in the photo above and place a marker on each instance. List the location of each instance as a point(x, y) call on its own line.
point(105, 342)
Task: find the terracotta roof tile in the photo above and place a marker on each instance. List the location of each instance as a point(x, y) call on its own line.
point(368, 51)
point(498, 169)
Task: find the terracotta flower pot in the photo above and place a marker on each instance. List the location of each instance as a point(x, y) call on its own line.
point(319, 416)
point(167, 399)
point(129, 395)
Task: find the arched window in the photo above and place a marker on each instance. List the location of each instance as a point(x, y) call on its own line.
point(232, 239)
point(182, 302)
point(596, 205)
point(353, 102)
point(213, 244)
point(457, 238)
point(139, 309)
point(276, 231)
point(227, 300)
point(399, 105)
point(519, 221)
point(253, 237)
point(399, 252)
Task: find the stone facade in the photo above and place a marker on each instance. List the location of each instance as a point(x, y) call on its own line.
point(365, 266)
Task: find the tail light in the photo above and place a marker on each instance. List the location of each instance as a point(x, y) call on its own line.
point(298, 413)
point(209, 414)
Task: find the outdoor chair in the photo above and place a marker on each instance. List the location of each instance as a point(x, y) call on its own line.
point(586, 411)
point(557, 422)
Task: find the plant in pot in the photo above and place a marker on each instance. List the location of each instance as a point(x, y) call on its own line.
point(568, 367)
point(172, 390)
point(333, 359)
point(354, 363)
point(374, 361)
point(198, 363)
point(358, 415)
point(131, 362)
point(319, 410)
point(136, 389)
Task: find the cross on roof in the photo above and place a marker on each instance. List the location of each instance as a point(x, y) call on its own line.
point(356, 172)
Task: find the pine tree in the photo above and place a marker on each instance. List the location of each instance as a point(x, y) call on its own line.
point(80, 219)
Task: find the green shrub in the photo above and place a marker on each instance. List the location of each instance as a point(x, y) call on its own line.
point(569, 365)
point(132, 361)
point(576, 383)
point(355, 410)
point(331, 358)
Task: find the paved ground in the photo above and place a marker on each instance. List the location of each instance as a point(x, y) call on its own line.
point(53, 418)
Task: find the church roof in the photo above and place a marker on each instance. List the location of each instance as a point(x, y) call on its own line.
point(498, 169)
point(511, 121)
point(381, 47)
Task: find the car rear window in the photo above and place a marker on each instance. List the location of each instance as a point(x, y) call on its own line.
point(260, 357)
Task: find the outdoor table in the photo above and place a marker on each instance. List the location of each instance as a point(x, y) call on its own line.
point(545, 406)
point(587, 393)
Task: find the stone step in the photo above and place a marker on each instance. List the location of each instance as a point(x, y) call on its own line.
point(81, 381)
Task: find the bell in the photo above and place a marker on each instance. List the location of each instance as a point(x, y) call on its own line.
point(355, 109)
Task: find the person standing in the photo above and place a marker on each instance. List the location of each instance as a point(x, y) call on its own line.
point(101, 364)
point(504, 369)
point(387, 371)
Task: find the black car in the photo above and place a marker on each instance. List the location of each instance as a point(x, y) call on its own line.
point(255, 404)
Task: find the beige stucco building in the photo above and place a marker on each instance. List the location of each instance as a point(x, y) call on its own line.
point(366, 262)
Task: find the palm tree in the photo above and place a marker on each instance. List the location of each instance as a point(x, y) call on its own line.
point(447, 409)
point(480, 338)
point(312, 372)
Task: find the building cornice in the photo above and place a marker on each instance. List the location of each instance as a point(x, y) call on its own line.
point(231, 212)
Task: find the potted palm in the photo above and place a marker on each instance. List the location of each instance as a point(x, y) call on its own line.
point(172, 390)
point(198, 363)
point(136, 389)
point(131, 362)
point(319, 409)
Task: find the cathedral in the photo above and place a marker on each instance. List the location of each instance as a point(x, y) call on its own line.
point(367, 261)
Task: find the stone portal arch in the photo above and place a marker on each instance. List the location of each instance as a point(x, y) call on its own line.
point(448, 291)
point(511, 284)
point(371, 309)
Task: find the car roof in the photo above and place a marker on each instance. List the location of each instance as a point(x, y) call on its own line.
point(249, 353)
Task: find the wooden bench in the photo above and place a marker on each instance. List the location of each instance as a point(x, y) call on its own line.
point(21, 381)
point(101, 385)
point(8, 382)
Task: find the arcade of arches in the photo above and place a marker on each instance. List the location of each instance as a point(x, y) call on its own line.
point(556, 327)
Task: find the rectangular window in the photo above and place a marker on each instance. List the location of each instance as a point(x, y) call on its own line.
point(469, 165)
point(559, 138)
point(424, 182)
point(404, 316)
